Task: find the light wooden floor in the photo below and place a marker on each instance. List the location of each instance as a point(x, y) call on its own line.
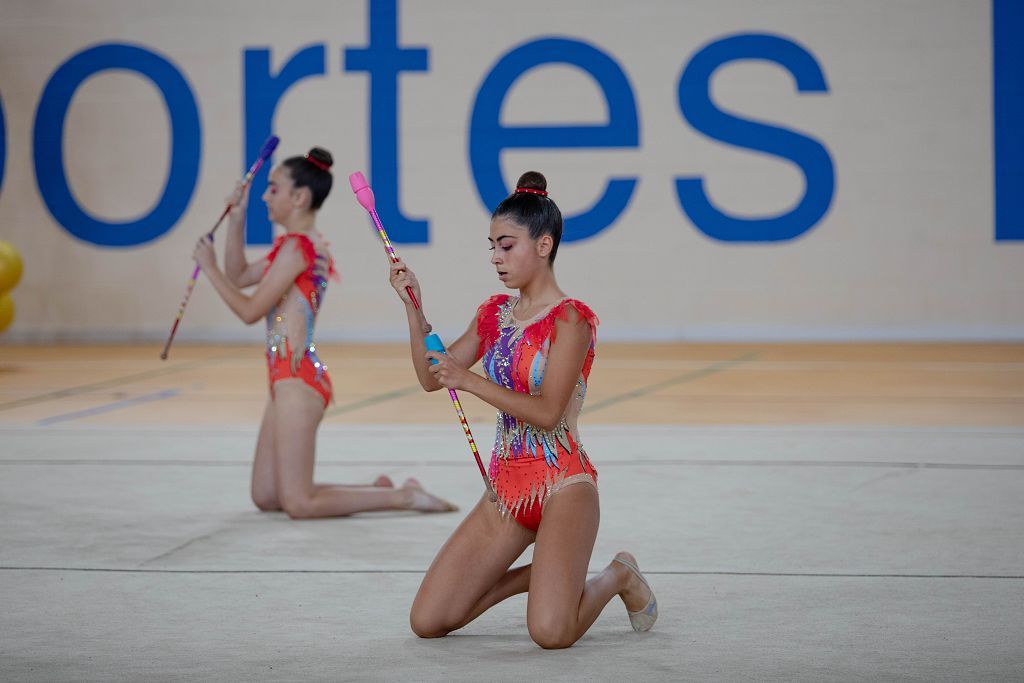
point(972, 385)
point(804, 512)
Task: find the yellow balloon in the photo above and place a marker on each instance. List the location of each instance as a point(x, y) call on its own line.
point(6, 311)
point(10, 267)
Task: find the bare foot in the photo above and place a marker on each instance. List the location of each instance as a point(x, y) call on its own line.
point(384, 481)
point(422, 501)
point(635, 594)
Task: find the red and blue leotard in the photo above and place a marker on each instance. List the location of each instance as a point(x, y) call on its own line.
point(529, 464)
point(291, 352)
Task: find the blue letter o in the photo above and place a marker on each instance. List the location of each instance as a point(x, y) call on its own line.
point(48, 142)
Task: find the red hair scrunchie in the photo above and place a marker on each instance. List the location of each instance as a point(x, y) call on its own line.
point(319, 164)
point(531, 190)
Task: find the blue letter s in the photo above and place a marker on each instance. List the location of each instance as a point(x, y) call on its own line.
point(807, 153)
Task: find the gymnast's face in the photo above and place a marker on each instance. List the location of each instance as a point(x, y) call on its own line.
point(515, 255)
point(282, 198)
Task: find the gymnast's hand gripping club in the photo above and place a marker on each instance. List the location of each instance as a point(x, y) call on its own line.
point(268, 148)
point(364, 195)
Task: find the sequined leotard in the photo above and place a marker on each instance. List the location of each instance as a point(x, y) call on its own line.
point(529, 464)
point(290, 348)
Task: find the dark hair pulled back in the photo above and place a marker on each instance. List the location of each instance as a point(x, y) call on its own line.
point(533, 210)
point(312, 171)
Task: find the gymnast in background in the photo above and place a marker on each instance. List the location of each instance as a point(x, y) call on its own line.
point(290, 285)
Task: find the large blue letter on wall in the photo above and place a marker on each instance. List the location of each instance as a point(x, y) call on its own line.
point(488, 137)
point(1008, 91)
point(263, 92)
point(383, 60)
point(809, 154)
point(49, 144)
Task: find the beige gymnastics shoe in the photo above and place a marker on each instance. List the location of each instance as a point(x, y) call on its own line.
point(645, 618)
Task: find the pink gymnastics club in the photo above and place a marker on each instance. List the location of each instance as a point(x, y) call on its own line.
point(364, 195)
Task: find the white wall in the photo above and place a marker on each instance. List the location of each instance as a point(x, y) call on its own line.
point(905, 251)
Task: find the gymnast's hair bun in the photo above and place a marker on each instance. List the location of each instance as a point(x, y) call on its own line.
point(322, 155)
point(532, 180)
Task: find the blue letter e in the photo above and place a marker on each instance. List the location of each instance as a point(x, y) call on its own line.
point(488, 137)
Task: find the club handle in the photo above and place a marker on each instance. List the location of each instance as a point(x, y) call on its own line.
point(434, 343)
point(268, 148)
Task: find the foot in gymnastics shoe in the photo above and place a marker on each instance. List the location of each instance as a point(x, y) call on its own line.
point(641, 620)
